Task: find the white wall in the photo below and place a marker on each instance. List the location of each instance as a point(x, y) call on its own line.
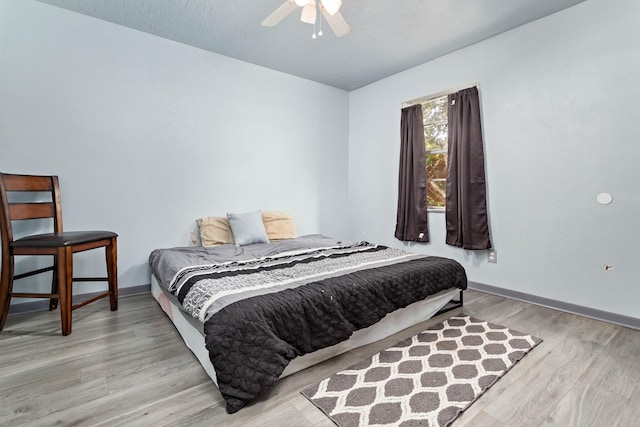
point(147, 134)
point(559, 99)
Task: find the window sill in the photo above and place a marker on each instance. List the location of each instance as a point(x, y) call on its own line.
point(439, 210)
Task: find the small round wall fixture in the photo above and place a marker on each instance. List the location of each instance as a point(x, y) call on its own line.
point(604, 198)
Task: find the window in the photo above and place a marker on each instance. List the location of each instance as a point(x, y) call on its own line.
point(435, 139)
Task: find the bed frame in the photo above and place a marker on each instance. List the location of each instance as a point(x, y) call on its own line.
point(452, 305)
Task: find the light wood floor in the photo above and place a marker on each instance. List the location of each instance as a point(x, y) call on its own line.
point(132, 368)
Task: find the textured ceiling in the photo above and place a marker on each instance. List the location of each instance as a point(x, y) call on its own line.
point(387, 36)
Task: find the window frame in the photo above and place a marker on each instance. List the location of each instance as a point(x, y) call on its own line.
point(432, 97)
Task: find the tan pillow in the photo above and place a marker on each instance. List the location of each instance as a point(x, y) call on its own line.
point(214, 230)
point(279, 225)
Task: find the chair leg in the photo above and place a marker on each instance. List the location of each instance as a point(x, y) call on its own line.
point(112, 273)
point(6, 287)
point(53, 302)
point(65, 274)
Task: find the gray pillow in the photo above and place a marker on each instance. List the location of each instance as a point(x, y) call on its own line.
point(247, 228)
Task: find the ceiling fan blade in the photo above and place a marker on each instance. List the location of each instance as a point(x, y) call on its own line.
point(309, 13)
point(279, 14)
point(337, 23)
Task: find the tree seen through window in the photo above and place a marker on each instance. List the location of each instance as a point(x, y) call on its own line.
point(435, 138)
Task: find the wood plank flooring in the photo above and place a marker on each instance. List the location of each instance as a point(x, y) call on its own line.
point(131, 368)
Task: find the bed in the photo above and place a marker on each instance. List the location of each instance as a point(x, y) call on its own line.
point(256, 313)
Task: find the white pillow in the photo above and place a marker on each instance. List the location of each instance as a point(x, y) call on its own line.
point(247, 228)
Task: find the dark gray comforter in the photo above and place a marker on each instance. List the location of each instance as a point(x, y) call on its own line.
point(261, 311)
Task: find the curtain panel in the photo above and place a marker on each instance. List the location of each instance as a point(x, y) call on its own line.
point(466, 199)
point(411, 222)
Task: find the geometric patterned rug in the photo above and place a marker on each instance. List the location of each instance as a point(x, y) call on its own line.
point(425, 380)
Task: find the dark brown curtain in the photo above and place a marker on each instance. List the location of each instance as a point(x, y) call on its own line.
point(466, 198)
point(411, 223)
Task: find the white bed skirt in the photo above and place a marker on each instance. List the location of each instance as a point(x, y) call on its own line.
point(192, 330)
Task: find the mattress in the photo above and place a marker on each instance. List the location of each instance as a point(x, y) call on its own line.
point(254, 314)
point(192, 332)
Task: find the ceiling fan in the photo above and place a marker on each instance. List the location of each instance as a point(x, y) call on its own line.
point(328, 8)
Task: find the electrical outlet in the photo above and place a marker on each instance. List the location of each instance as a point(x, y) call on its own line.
point(493, 255)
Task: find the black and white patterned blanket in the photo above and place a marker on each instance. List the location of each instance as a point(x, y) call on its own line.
point(261, 313)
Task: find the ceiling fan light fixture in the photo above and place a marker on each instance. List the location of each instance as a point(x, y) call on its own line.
point(302, 3)
point(309, 13)
point(331, 6)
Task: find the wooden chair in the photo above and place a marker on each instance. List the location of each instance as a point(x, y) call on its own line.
point(61, 245)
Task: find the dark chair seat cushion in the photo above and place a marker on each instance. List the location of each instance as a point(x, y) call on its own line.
point(57, 240)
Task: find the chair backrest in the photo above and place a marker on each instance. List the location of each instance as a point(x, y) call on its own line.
point(16, 211)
